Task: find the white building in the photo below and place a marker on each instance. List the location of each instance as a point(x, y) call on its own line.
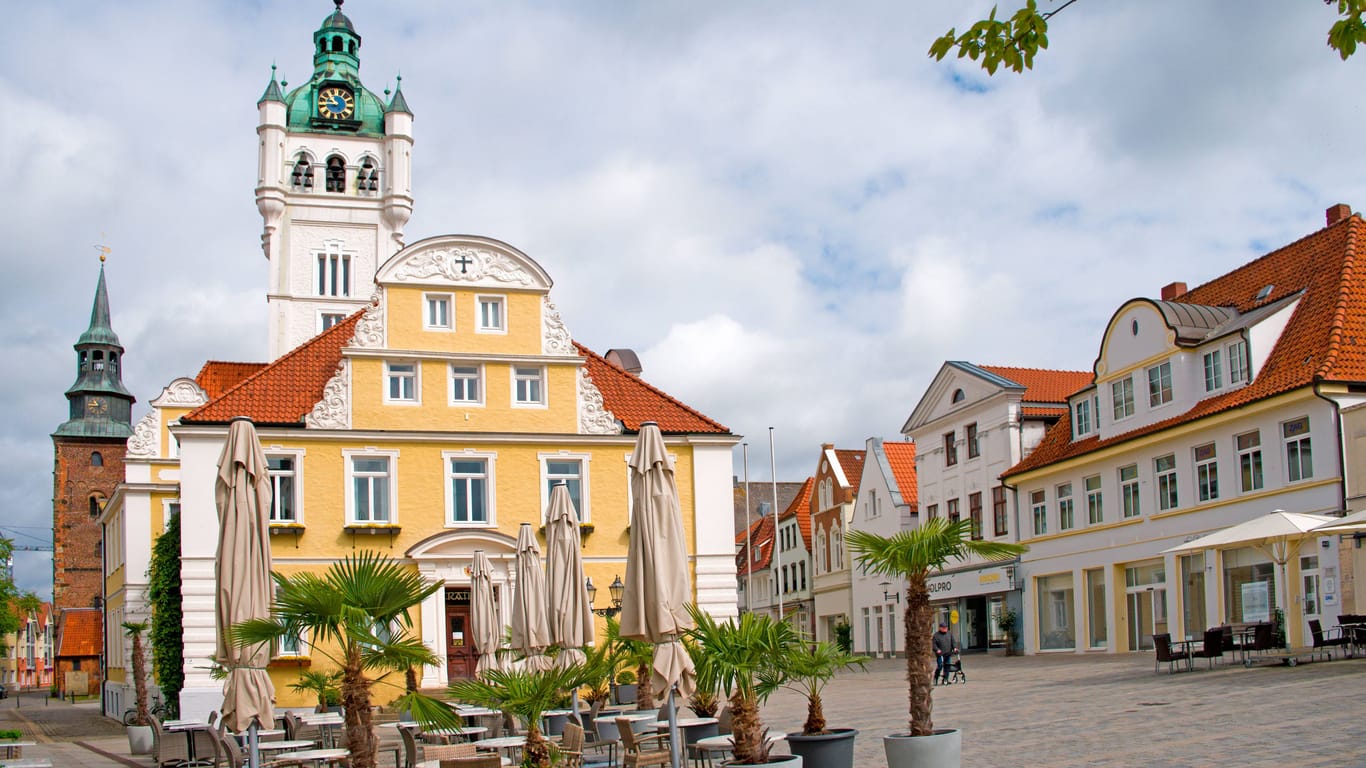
point(832, 508)
point(792, 562)
point(886, 504)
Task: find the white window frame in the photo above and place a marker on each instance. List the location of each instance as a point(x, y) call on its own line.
point(584, 459)
point(1206, 472)
point(1122, 398)
point(299, 651)
point(297, 455)
point(1251, 455)
point(518, 377)
point(1081, 421)
point(1095, 500)
point(429, 302)
point(326, 262)
point(1214, 370)
point(324, 314)
point(1038, 507)
point(1130, 504)
point(1238, 366)
point(348, 457)
point(480, 326)
point(821, 552)
point(1168, 486)
point(490, 485)
point(390, 376)
point(1067, 519)
point(451, 378)
point(1160, 384)
point(1299, 451)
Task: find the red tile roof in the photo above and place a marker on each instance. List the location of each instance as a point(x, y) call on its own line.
point(761, 538)
point(1042, 413)
point(283, 392)
point(80, 632)
point(901, 457)
point(633, 401)
point(801, 507)
point(219, 376)
point(1319, 343)
point(852, 464)
point(1043, 385)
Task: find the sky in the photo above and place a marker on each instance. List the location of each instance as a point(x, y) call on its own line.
point(787, 209)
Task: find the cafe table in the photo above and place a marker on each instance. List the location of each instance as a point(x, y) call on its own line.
point(189, 728)
point(15, 749)
point(315, 757)
point(327, 723)
point(26, 762)
point(509, 744)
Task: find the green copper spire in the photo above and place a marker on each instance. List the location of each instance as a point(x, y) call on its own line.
point(398, 103)
point(273, 90)
point(335, 83)
point(336, 46)
point(100, 406)
point(100, 331)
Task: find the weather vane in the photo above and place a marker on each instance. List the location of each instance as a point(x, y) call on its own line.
point(103, 249)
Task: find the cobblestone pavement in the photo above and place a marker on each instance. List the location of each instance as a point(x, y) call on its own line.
point(1055, 711)
point(1071, 711)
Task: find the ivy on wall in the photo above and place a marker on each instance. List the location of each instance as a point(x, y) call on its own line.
point(166, 635)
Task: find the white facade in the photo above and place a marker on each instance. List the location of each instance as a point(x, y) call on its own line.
point(792, 572)
point(876, 603)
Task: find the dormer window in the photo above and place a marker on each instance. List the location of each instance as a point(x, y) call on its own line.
point(1237, 362)
point(1160, 384)
point(336, 174)
point(1122, 397)
point(1214, 371)
point(1082, 418)
point(301, 179)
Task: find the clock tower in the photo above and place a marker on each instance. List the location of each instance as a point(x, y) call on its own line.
point(88, 452)
point(334, 187)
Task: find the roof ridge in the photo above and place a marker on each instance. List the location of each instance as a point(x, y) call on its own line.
point(989, 366)
point(652, 388)
point(1259, 259)
point(1340, 309)
point(277, 362)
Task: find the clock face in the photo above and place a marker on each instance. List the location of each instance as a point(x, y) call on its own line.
point(336, 102)
point(97, 406)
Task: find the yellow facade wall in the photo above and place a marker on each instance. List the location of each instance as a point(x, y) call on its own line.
point(405, 308)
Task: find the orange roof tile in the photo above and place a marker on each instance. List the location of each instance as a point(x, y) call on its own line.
point(633, 401)
point(1041, 412)
point(901, 457)
point(284, 391)
point(761, 538)
point(1319, 342)
point(219, 376)
point(801, 507)
point(1043, 385)
point(851, 462)
point(80, 632)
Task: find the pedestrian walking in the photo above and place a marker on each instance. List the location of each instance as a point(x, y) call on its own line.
point(945, 644)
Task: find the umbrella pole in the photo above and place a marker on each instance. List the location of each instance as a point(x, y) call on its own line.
point(675, 749)
point(253, 744)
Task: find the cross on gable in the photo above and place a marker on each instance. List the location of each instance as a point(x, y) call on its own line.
point(464, 262)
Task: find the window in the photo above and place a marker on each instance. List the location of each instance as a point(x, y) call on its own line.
point(570, 470)
point(1066, 516)
point(1164, 469)
point(950, 450)
point(372, 487)
point(821, 552)
point(1082, 423)
point(837, 547)
point(1095, 507)
point(465, 384)
point(367, 180)
point(1207, 472)
point(289, 646)
point(1056, 604)
point(931, 511)
point(1160, 384)
point(801, 567)
point(1122, 394)
point(1214, 374)
point(96, 459)
point(1250, 460)
point(491, 314)
point(998, 509)
point(1237, 362)
point(301, 178)
point(336, 174)
point(333, 274)
point(1299, 456)
point(951, 510)
point(282, 473)
point(1038, 508)
point(975, 514)
point(469, 489)
point(328, 319)
point(528, 386)
point(438, 314)
point(401, 382)
point(974, 450)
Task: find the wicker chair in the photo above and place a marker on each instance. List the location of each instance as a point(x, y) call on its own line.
point(638, 749)
point(416, 753)
point(571, 745)
point(168, 749)
point(1326, 642)
point(1162, 645)
point(296, 730)
point(1213, 646)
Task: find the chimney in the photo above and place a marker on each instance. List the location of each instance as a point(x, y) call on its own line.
point(1173, 291)
point(1338, 212)
point(624, 359)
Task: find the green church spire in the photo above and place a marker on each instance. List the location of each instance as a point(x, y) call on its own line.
point(398, 103)
point(100, 406)
point(272, 90)
point(100, 331)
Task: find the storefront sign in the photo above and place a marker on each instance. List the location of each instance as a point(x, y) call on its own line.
point(984, 581)
point(1256, 601)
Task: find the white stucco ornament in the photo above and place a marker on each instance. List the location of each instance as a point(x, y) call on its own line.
point(144, 443)
point(594, 418)
point(463, 265)
point(334, 410)
point(555, 338)
point(370, 327)
point(181, 393)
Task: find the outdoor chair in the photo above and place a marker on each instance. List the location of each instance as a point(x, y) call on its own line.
point(1213, 647)
point(296, 730)
point(1263, 638)
point(1162, 645)
point(571, 746)
point(639, 750)
point(1326, 643)
point(168, 751)
point(609, 736)
point(393, 745)
point(723, 721)
point(416, 753)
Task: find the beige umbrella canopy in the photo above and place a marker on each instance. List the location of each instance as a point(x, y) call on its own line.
point(242, 492)
point(571, 621)
point(1353, 523)
point(657, 588)
point(530, 633)
point(485, 628)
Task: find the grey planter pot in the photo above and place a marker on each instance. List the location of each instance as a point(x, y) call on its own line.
point(786, 761)
point(626, 694)
point(944, 749)
point(139, 739)
point(828, 750)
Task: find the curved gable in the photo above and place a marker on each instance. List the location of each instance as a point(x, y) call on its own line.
point(466, 261)
point(1136, 333)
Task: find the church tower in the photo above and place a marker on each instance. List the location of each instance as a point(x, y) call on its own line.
point(334, 187)
point(88, 451)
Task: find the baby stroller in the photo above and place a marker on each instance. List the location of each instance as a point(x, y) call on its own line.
point(954, 668)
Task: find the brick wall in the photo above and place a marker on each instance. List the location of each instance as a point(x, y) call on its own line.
point(76, 576)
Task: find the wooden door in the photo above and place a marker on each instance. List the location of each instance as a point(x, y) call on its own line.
point(460, 652)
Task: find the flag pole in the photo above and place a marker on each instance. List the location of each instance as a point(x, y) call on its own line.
point(749, 546)
point(773, 470)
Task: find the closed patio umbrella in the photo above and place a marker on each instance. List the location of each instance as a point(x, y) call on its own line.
point(242, 494)
point(485, 629)
point(657, 587)
point(571, 621)
point(530, 630)
point(1353, 523)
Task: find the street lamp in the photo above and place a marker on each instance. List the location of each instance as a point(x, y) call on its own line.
point(615, 589)
point(894, 596)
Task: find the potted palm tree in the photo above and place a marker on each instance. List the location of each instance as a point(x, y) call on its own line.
point(140, 732)
point(325, 686)
point(806, 669)
point(740, 655)
point(912, 555)
point(357, 614)
point(525, 694)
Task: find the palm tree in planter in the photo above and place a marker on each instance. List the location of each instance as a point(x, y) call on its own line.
point(140, 731)
point(912, 555)
point(526, 695)
point(743, 657)
point(326, 686)
point(806, 669)
point(356, 614)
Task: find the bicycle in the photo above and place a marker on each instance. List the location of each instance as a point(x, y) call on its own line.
point(157, 709)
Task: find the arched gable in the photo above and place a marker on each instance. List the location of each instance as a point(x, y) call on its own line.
point(464, 260)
